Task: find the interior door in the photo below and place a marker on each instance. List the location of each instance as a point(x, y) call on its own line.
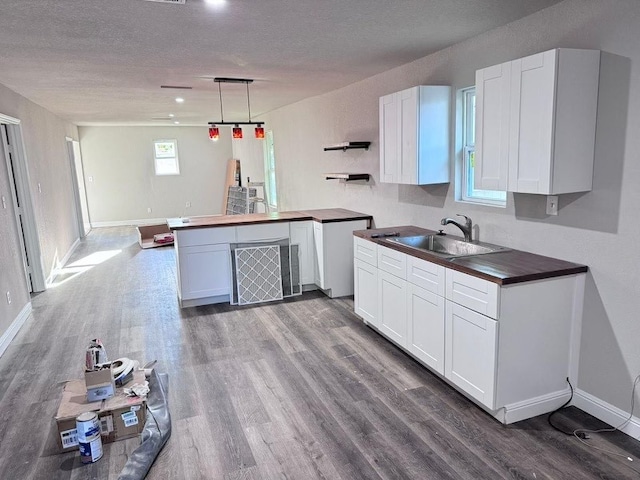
point(17, 203)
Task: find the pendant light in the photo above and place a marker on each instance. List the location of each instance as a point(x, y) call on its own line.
point(214, 132)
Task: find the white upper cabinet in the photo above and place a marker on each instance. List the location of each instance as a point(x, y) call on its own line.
point(415, 136)
point(536, 122)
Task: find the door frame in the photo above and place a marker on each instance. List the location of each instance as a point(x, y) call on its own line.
point(79, 210)
point(29, 229)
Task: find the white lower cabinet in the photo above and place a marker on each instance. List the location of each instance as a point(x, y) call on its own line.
point(506, 347)
point(333, 253)
point(471, 352)
point(205, 271)
point(366, 291)
point(392, 307)
point(425, 326)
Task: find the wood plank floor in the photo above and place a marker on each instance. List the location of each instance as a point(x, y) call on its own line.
point(299, 389)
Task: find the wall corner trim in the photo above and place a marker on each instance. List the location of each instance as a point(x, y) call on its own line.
point(607, 413)
point(13, 329)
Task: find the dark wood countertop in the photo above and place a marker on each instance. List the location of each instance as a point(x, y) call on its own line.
point(503, 268)
point(326, 215)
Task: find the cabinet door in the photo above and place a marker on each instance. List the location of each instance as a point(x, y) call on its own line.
point(389, 138)
point(532, 122)
point(471, 352)
point(425, 336)
point(392, 307)
point(366, 292)
point(408, 114)
point(492, 127)
point(302, 235)
point(205, 271)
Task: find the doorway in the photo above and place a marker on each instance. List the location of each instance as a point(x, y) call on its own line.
point(12, 147)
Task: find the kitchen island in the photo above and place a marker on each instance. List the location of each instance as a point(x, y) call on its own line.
point(306, 249)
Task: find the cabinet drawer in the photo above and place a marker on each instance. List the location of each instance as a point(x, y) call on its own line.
point(205, 236)
point(474, 293)
point(392, 261)
point(365, 250)
point(426, 275)
point(263, 232)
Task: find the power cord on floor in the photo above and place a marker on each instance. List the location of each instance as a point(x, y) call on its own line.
point(582, 433)
point(560, 408)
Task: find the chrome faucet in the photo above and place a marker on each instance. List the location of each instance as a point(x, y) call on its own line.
point(467, 228)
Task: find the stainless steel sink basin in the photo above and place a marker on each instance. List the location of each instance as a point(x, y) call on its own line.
point(444, 246)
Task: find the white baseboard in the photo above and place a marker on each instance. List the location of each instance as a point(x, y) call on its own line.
point(126, 223)
point(531, 407)
point(606, 412)
point(13, 329)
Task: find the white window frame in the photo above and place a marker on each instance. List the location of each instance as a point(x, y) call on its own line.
point(270, 172)
point(466, 148)
point(157, 158)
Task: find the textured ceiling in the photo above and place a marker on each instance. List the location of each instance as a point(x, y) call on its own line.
point(103, 61)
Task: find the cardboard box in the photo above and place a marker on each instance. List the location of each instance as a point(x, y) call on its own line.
point(146, 234)
point(100, 383)
point(120, 416)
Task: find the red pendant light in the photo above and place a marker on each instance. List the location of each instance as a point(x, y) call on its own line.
point(259, 131)
point(214, 133)
point(237, 131)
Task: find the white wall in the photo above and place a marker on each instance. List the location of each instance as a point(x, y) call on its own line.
point(599, 228)
point(49, 167)
point(124, 185)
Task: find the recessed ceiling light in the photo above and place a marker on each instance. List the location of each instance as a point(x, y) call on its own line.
point(216, 3)
point(171, 115)
point(179, 100)
point(177, 122)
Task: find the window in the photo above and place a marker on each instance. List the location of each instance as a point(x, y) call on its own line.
point(468, 192)
point(270, 172)
point(165, 157)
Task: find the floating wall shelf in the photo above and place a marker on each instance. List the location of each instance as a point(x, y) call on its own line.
point(347, 176)
point(348, 146)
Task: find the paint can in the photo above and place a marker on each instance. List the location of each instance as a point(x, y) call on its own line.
point(89, 440)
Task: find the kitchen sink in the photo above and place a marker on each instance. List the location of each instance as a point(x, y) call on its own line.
point(444, 246)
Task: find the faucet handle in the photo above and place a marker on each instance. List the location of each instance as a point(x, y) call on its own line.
point(467, 219)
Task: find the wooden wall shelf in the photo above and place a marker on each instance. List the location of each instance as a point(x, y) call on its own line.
point(348, 146)
point(347, 176)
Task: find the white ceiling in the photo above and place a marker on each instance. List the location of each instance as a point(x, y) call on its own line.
point(103, 61)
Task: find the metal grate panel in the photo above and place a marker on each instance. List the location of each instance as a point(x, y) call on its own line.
point(258, 274)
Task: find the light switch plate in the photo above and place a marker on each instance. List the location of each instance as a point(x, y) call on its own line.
point(552, 205)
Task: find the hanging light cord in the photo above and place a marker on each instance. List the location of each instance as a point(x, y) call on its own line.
point(221, 110)
point(248, 102)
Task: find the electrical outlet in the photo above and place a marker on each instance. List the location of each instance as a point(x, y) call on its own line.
point(90, 179)
point(39, 188)
point(4, 202)
point(149, 210)
point(552, 205)
point(188, 205)
point(9, 298)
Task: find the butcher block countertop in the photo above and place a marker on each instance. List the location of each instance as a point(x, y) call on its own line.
point(503, 268)
point(326, 215)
